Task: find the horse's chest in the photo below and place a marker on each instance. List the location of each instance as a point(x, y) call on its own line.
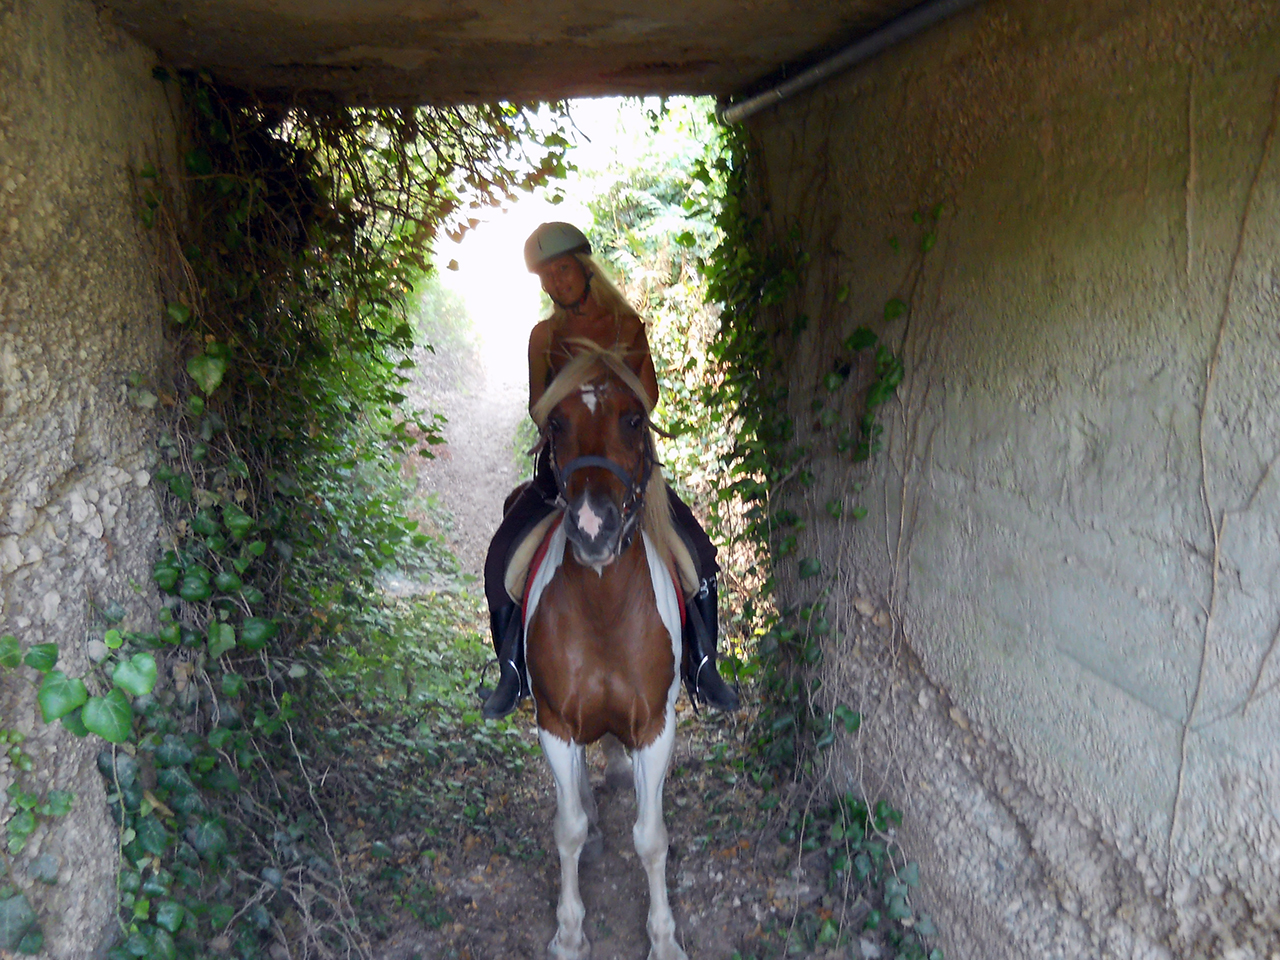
point(599, 668)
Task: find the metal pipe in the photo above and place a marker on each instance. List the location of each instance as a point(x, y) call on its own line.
point(896, 30)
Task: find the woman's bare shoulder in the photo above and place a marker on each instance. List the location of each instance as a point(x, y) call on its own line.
point(540, 335)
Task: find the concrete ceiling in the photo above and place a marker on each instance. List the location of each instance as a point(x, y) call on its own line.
point(457, 51)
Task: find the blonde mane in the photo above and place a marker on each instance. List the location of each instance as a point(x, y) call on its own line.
point(593, 361)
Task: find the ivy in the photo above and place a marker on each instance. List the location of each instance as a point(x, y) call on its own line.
point(294, 240)
point(754, 275)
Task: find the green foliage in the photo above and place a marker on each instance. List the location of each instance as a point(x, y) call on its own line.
point(296, 239)
point(753, 275)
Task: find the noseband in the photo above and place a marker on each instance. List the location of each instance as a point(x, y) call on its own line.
point(632, 503)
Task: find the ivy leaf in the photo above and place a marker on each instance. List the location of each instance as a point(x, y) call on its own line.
point(16, 919)
point(59, 695)
point(60, 802)
point(137, 675)
point(152, 835)
point(74, 724)
point(10, 652)
point(257, 631)
point(222, 637)
point(237, 521)
point(44, 868)
point(162, 946)
point(110, 717)
point(209, 838)
point(898, 908)
point(181, 486)
point(810, 567)
point(207, 371)
point(32, 943)
point(179, 312)
point(169, 916)
point(195, 588)
point(42, 657)
point(893, 309)
point(199, 162)
point(860, 339)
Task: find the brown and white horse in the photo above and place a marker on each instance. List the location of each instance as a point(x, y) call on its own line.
point(602, 627)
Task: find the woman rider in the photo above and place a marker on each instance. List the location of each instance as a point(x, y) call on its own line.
point(587, 306)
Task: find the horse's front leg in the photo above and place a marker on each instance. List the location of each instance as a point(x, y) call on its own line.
point(650, 833)
point(568, 765)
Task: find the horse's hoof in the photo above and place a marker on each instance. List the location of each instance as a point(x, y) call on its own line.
point(579, 951)
point(592, 850)
point(669, 950)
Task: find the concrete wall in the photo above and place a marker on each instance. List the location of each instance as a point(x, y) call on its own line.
point(1075, 524)
point(79, 311)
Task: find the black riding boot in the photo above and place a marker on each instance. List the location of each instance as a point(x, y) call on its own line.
point(701, 678)
point(507, 625)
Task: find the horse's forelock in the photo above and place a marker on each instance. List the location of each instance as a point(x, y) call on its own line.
point(591, 362)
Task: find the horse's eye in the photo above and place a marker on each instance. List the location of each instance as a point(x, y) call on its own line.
point(555, 425)
point(634, 421)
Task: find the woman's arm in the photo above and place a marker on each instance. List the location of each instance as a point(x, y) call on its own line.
point(642, 363)
point(538, 342)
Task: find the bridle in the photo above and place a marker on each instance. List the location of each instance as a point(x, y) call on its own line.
point(632, 503)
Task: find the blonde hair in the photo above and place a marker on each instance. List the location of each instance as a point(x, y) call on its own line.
point(603, 290)
point(593, 361)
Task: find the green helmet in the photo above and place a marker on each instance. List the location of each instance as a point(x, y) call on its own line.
point(553, 240)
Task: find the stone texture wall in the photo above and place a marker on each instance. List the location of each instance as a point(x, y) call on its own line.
point(1074, 527)
point(79, 312)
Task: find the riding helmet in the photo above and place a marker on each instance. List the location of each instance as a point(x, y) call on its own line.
point(552, 240)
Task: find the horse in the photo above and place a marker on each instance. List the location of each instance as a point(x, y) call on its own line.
point(602, 627)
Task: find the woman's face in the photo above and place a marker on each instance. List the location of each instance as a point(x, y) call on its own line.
point(564, 279)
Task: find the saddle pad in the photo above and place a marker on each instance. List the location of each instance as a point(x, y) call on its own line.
point(516, 576)
point(665, 588)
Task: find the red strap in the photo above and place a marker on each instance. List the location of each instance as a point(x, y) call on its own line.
point(684, 615)
point(538, 557)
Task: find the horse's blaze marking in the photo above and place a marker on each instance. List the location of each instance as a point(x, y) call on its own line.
point(589, 397)
point(589, 522)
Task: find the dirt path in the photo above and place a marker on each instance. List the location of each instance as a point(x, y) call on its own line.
point(476, 468)
point(726, 891)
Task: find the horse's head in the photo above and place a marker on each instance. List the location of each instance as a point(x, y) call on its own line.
point(602, 456)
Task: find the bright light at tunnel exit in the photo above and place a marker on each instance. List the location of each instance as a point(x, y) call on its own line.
point(502, 297)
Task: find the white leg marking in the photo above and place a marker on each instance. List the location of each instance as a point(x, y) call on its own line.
point(650, 835)
point(568, 765)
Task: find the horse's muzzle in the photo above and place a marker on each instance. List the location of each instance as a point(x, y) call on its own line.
point(593, 525)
